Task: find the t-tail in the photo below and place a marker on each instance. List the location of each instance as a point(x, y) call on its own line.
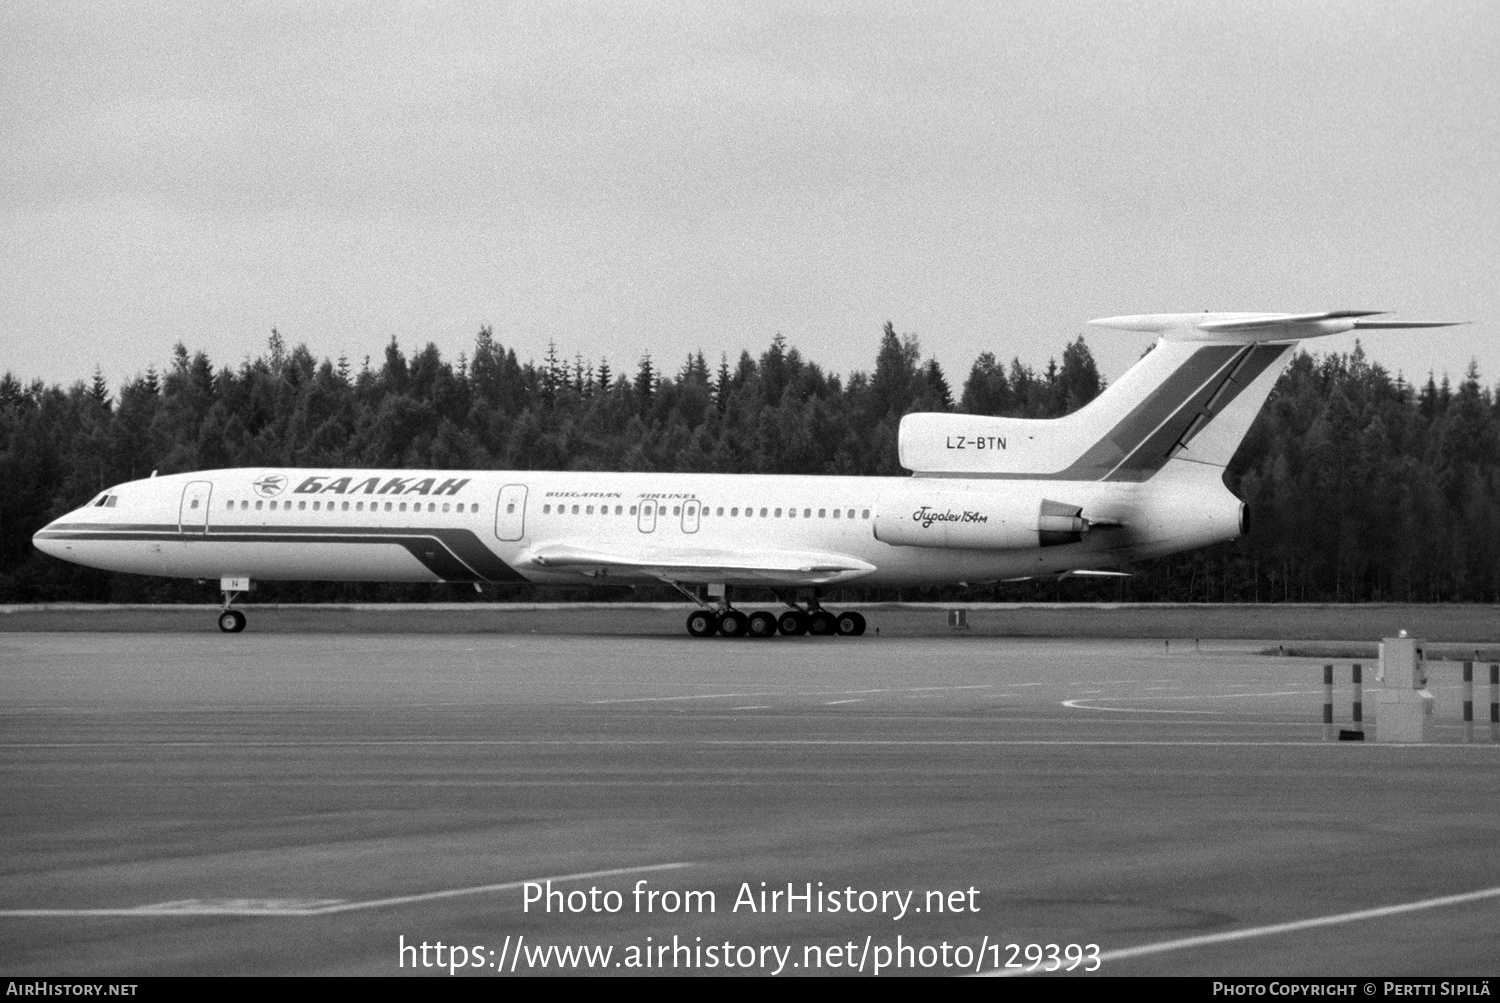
point(1187, 404)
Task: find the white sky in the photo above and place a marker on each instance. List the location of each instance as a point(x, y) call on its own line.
point(633, 177)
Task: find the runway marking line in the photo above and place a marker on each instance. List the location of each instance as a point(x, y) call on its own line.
point(320, 907)
point(790, 693)
point(1080, 703)
point(1207, 940)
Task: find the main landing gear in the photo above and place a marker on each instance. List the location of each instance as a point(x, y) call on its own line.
point(810, 618)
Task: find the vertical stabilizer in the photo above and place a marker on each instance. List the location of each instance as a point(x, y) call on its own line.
point(1192, 398)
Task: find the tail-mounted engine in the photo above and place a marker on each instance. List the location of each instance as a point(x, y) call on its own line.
point(971, 520)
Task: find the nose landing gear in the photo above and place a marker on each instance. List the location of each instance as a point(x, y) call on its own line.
point(232, 621)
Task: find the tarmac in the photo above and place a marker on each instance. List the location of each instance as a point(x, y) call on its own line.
point(326, 803)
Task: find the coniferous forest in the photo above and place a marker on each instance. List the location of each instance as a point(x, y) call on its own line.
point(1362, 487)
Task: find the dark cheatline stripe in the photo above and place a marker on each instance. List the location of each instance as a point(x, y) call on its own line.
point(454, 555)
point(472, 551)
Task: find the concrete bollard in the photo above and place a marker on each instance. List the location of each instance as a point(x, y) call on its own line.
point(1494, 702)
point(1328, 703)
point(1468, 701)
point(1359, 697)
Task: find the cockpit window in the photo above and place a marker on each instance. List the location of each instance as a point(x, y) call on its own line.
point(105, 501)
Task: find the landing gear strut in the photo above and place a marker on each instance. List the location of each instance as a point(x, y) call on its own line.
point(232, 621)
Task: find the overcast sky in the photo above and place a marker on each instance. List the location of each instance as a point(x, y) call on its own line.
point(625, 178)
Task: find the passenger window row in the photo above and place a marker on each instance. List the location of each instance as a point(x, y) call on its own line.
point(734, 512)
point(319, 506)
point(586, 510)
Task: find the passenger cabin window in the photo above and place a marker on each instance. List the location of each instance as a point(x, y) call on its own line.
point(258, 505)
point(865, 514)
point(822, 513)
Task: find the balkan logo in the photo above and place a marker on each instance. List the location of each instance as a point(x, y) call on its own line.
point(269, 485)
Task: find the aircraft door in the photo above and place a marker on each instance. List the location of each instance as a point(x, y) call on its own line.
point(690, 516)
point(192, 516)
point(510, 512)
point(646, 519)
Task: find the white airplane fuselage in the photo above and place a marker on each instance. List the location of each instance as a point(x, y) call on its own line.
point(542, 527)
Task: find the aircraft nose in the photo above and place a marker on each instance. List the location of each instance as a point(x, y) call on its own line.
point(43, 542)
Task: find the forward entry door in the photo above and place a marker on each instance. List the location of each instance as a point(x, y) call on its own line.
point(192, 517)
point(690, 516)
point(510, 512)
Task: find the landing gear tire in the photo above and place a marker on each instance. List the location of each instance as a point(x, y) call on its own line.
point(851, 624)
point(702, 623)
point(231, 621)
point(793, 623)
point(762, 624)
point(733, 624)
point(822, 623)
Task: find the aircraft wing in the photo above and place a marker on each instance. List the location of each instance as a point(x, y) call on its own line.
point(695, 566)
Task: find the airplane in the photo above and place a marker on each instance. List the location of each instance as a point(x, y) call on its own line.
point(1136, 473)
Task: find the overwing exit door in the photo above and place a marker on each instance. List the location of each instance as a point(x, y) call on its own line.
point(645, 521)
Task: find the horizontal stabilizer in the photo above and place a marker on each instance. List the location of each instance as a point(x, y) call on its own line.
point(1269, 327)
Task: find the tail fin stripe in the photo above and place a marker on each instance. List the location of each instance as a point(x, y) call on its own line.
point(1115, 448)
point(1195, 414)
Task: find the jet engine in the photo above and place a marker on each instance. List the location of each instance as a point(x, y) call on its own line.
point(971, 520)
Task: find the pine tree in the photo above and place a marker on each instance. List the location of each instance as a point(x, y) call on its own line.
point(98, 389)
point(645, 379)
